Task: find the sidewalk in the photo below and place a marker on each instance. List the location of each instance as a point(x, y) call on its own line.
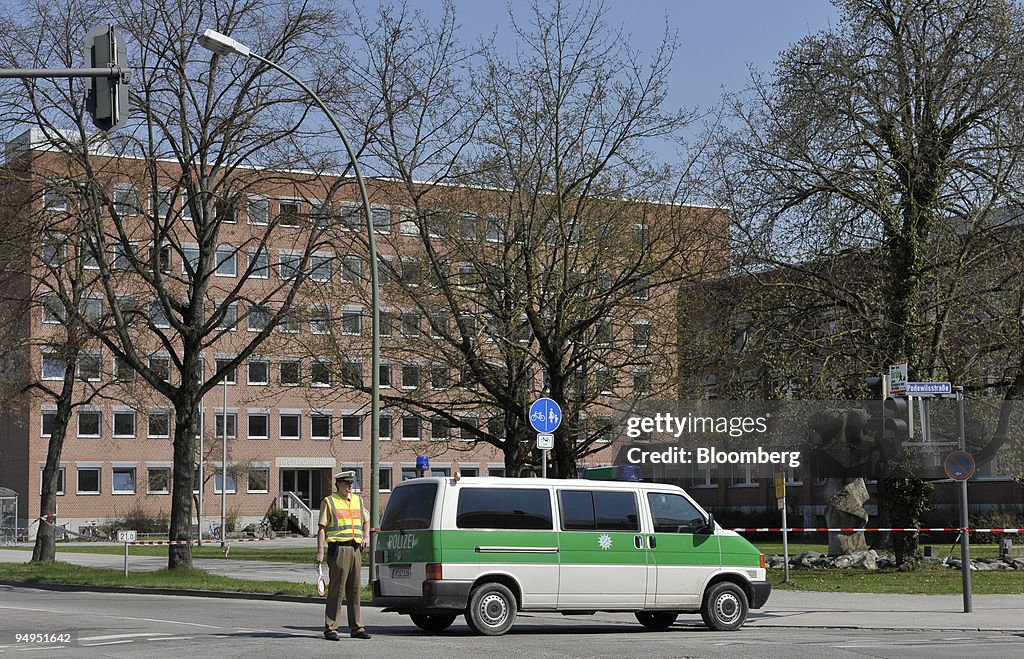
point(804, 609)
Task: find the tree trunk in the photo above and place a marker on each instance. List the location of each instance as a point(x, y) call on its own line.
point(44, 548)
point(186, 427)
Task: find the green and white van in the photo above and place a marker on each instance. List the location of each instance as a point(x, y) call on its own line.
point(490, 547)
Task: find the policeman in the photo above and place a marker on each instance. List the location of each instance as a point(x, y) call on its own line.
point(343, 523)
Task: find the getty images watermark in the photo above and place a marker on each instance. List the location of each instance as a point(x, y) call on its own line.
point(688, 427)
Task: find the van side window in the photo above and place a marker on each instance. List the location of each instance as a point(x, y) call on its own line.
point(410, 507)
point(587, 510)
point(503, 508)
point(672, 513)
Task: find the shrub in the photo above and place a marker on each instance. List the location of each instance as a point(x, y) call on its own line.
point(998, 518)
point(137, 519)
point(278, 518)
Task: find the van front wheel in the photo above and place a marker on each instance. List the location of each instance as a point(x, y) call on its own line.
point(492, 609)
point(432, 622)
point(725, 607)
point(656, 620)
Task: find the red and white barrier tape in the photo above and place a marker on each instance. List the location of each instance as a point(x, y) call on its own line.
point(823, 529)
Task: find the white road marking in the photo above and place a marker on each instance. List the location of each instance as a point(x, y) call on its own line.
point(92, 645)
point(173, 638)
point(110, 637)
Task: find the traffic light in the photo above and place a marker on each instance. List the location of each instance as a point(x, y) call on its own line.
point(107, 101)
point(894, 419)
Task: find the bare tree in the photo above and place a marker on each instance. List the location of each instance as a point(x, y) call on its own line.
point(889, 143)
point(204, 133)
point(536, 221)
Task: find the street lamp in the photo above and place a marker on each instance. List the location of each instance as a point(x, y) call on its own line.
point(221, 44)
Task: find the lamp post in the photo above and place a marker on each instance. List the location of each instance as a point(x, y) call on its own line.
point(221, 44)
point(224, 464)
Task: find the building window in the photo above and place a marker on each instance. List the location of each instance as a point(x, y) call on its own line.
point(288, 264)
point(160, 366)
point(61, 475)
point(385, 374)
point(467, 226)
point(320, 319)
point(49, 421)
point(160, 202)
point(384, 479)
point(259, 371)
point(352, 322)
point(126, 200)
point(410, 428)
point(158, 480)
point(351, 372)
point(157, 315)
point(123, 480)
point(410, 376)
point(186, 208)
point(352, 269)
point(410, 323)
point(412, 272)
point(291, 371)
point(320, 213)
point(440, 429)
point(352, 427)
point(217, 480)
point(407, 225)
point(227, 261)
point(440, 376)
point(641, 382)
point(230, 318)
point(380, 216)
point(258, 317)
point(641, 335)
point(231, 374)
point(218, 422)
point(352, 215)
point(89, 423)
point(744, 475)
point(320, 373)
point(159, 423)
point(604, 380)
point(291, 425)
point(493, 230)
point(258, 479)
point(259, 425)
point(258, 210)
point(642, 290)
point(259, 264)
point(53, 310)
point(321, 268)
point(320, 426)
point(289, 320)
point(290, 210)
point(384, 426)
point(54, 366)
point(124, 423)
point(123, 372)
point(88, 480)
point(89, 365)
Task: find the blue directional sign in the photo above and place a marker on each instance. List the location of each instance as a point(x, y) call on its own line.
point(921, 388)
point(545, 415)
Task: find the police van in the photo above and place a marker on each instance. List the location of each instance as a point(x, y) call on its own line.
point(491, 547)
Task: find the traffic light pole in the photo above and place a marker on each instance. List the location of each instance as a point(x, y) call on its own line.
point(113, 72)
point(965, 538)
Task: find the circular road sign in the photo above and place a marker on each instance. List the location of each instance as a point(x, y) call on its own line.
point(545, 415)
point(959, 465)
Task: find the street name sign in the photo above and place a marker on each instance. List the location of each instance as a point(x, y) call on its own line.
point(924, 388)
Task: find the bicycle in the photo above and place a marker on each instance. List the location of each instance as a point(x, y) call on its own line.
point(264, 530)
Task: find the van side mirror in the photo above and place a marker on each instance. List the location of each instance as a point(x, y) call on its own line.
point(709, 528)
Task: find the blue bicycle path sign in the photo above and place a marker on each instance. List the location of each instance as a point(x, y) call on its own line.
point(545, 415)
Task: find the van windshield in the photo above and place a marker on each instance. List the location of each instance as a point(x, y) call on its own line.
point(410, 507)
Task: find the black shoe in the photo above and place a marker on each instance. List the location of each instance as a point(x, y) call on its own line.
point(332, 635)
point(360, 634)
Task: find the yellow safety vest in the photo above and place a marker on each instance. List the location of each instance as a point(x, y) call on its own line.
point(346, 519)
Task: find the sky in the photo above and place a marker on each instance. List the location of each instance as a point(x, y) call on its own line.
point(718, 38)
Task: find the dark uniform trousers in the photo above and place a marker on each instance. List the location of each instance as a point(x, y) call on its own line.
point(344, 566)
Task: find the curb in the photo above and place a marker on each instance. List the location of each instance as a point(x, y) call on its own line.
point(181, 592)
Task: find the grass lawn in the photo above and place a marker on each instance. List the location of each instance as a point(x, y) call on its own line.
point(929, 580)
point(65, 573)
point(238, 551)
point(977, 551)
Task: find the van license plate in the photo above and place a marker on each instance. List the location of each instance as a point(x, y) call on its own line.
point(400, 573)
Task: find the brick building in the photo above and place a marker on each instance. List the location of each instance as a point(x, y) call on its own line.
point(296, 409)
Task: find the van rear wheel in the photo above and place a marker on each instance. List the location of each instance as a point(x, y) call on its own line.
point(491, 610)
point(656, 620)
point(725, 607)
point(432, 622)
